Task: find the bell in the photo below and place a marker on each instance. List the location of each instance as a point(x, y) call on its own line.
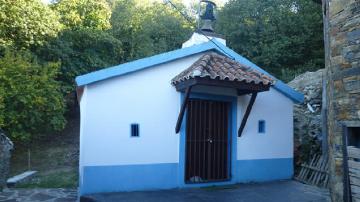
point(208, 16)
point(207, 26)
point(209, 11)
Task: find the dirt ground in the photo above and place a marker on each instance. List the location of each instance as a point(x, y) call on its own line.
point(55, 157)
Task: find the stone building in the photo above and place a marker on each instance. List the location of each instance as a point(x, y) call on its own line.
point(342, 45)
point(5, 147)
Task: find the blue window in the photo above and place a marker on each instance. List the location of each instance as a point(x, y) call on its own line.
point(135, 130)
point(261, 126)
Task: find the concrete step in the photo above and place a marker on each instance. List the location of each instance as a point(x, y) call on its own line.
point(11, 182)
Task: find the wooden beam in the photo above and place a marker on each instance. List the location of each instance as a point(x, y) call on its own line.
point(183, 108)
point(247, 113)
point(346, 179)
point(243, 92)
point(183, 85)
point(240, 85)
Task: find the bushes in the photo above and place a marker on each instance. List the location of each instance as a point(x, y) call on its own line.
point(282, 36)
point(32, 103)
point(2, 106)
point(81, 51)
point(84, 35)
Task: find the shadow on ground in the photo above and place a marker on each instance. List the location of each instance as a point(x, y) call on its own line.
point(281, 191)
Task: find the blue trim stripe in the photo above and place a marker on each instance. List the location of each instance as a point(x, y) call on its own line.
point(97, 179)
point(141, 64)
point(261, 170)
point(144, 63)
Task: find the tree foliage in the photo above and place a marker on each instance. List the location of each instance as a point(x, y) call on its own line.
point(82, 51)
point(33, 104)
point(76, 14)
point(164, 29)
point(24, 23)
point(282, 36)
point(2, 108)
point(148, 28)
point(75, 37)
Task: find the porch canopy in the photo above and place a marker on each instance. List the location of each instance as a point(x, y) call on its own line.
point(213, 69)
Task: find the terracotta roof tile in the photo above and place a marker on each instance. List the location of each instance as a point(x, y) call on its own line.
point(217, 66)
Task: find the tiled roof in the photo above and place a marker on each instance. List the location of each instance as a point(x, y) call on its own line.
point(216, 66)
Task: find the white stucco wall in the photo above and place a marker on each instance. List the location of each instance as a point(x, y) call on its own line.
point(145, 97)
point(277, 141)
point(83, 109)
point(197, 38)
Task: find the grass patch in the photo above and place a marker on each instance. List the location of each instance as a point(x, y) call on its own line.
point(55, 157)
point(67, 178)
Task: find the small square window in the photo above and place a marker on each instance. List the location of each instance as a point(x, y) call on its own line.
point(261, 126)
point(135, 130)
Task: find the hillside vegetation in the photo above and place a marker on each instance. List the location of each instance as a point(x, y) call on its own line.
point(43, 47)
point(55, 157)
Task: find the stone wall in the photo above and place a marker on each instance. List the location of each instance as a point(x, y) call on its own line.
point(5, 147)
point(342, 45)
point(307, 116)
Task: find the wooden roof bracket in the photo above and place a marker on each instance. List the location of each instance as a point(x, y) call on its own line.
point(183, 108)
point(242, 88)
point(247, 113)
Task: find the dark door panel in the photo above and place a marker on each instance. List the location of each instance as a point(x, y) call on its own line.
point(207, 141)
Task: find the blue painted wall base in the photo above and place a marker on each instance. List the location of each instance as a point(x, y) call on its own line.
point(97, 179)
point(261, 170)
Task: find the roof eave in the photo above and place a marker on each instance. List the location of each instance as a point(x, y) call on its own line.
point(148, 62)
point(141, 64)
point(284, 89)
point(295, 96)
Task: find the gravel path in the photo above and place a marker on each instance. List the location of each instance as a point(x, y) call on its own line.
point(35, 195)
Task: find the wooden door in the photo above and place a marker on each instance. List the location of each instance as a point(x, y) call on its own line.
point(207, 141)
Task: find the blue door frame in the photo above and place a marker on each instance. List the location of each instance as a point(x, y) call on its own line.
point(232, 135)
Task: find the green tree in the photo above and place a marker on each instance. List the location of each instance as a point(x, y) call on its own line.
point(33, 103)
point(283, 36)
point(2, 106)
point(148, 28)
point(81, 51)
point(75, 14)
point(24, 23)
point(164, 29)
